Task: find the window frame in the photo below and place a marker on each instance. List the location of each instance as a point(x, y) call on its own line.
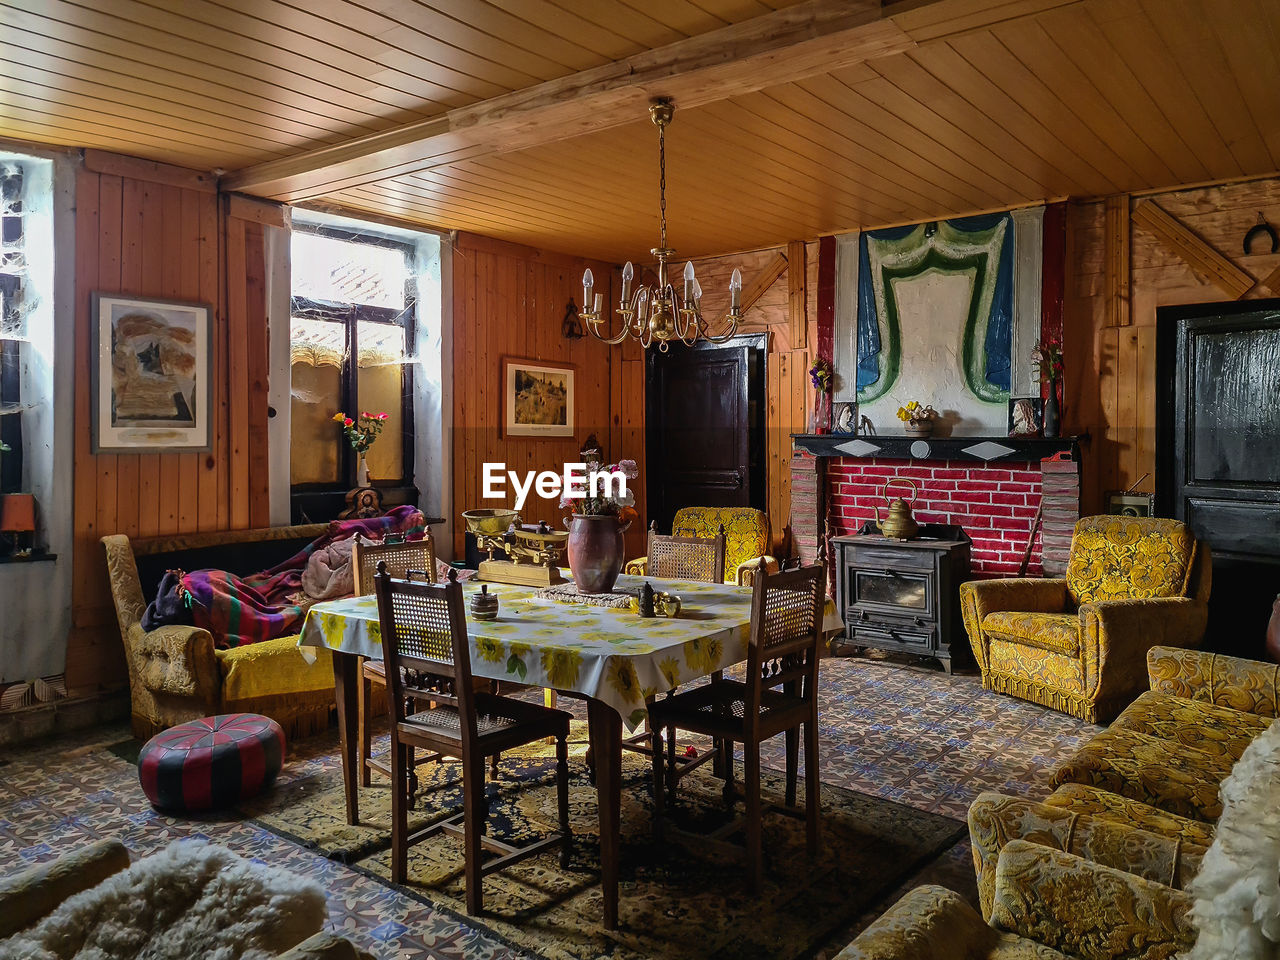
point(13, 293)
point(351, 315)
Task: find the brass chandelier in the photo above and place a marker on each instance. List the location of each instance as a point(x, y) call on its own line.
point(656, 313)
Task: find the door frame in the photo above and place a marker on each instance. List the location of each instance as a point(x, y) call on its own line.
point(757, 479)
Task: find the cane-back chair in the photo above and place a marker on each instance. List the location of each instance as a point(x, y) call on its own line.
point(686, 558)
point(400, 557)
point(424, 643)
point(779, 695)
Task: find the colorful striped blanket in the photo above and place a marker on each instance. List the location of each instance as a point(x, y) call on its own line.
point(270, 604)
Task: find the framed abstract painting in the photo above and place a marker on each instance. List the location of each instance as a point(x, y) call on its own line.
point(152, 375)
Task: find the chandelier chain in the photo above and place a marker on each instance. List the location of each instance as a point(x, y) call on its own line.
point(662, 181)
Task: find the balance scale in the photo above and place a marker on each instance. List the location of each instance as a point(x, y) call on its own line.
point(534, 554)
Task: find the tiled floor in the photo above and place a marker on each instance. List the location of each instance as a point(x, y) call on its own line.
point(896, 731)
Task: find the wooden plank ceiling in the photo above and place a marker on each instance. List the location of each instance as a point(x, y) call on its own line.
point(525, 119)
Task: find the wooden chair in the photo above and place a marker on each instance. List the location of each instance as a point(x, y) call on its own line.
point(780, 695)
point(686, 558)
point(400, 557)
point(424, 643)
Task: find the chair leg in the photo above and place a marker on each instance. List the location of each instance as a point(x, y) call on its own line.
point(365, 698)
point(793, 763)
point(473, 826)
point(751, 786)
point(812, 786)
point(399, 812)
point(729, 792)
point(659, 787)
point(673, 772)
point(562, 799)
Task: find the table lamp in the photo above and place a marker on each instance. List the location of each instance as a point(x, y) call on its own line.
point(18, 519)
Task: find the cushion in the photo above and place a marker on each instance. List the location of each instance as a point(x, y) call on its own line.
point(1058, 632)
point(1129, 558)
point(211, 762)
point(1204, 726)
point(273, 668)
point(1114, 808)
point(1163, 773)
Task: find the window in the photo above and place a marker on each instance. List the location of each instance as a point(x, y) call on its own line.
point(13, 309)
point(351, 332)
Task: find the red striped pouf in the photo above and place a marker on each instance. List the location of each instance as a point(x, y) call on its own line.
point(211, 762)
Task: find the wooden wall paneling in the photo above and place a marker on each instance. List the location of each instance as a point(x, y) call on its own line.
point(1199, 255)
point(153, 256)
point(212, 483)
point(189, 284)
point(128, 471)
point(797, 285)
point(1118, 279)
point(1144, 374)
point(108, 279)
point(258, 459)
point(237, 376)
point(86, 563)
point(169, 492)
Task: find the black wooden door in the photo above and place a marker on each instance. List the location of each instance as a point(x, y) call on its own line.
point(705, 426)
point(1219, 449)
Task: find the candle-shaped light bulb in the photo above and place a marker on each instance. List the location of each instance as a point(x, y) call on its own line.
point(697, 293)
point(689, 281)
point(597, 304)
point(628, 272)
point(735, 290)
point(588, 285)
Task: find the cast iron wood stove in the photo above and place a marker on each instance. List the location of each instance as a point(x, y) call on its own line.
point(903, 595)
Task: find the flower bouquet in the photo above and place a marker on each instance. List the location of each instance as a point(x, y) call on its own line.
point(917, 420)
point(361, 432)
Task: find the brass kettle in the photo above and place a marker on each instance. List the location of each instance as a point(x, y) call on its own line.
point(898, 524)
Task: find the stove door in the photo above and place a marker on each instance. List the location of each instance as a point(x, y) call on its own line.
point(903, 592)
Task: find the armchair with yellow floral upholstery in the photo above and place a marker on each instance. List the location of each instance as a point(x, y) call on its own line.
point(1079, 644)
point(746, 532)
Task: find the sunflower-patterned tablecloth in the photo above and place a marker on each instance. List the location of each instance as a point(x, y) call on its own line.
point(613, 655)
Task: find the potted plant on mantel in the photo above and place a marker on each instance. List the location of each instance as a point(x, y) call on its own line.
point(917, 420)
point(596, 548)
point(1047, 357)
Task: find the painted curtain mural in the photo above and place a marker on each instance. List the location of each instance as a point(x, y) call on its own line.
point(935, 321)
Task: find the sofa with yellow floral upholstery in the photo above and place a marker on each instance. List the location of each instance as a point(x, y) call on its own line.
point(1045, 905)
point(746, 534)
point(1078, 644)
point(175, 672)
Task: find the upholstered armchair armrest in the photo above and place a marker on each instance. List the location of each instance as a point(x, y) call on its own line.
point(176, 660)
point(744, 575)
point(995, 820)
point(927, 923)
point(1087, 910)
point(325, 946)
point(1022, 594)
point(638, 567)
point(32, 895)
point(1248, 685)
point(1115, 636)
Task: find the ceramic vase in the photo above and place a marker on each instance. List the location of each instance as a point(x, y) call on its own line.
point(362, 472)
point(918, 428)
point(596, 552)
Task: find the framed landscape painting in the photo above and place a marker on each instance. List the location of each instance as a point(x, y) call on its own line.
point(151, 376)
point(537, 399)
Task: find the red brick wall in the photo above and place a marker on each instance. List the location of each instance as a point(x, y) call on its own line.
point(994, 504)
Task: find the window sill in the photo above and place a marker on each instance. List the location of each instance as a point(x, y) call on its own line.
point(36, 557)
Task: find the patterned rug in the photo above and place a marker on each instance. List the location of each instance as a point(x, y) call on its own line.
point(683, 899)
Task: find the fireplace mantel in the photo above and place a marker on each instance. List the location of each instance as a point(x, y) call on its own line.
point(976, 449)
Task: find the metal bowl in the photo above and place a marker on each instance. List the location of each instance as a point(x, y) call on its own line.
point(490, 523)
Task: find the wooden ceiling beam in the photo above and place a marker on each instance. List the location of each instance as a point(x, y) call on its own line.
point(786, 45)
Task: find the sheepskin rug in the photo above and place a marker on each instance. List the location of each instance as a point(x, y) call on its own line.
point(1237, 891)
point(191, 900)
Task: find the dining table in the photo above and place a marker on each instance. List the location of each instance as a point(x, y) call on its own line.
point(609, 656)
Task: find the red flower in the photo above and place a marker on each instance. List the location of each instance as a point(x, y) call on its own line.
point(382, 416)
point(347, 422)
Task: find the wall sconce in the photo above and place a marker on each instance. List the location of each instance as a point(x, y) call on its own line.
point(570, 326)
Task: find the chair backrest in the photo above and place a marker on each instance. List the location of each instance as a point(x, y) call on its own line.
point(746, 530)
point(1129, 558)
point(400, 557)
point(686, 558)
point(424, 644)
point(786, 630)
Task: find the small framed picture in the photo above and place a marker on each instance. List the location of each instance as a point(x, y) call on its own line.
point(538, 398)
point(1126, 504)
point(844, 416)
point(1026, 416)
point(151, 375)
